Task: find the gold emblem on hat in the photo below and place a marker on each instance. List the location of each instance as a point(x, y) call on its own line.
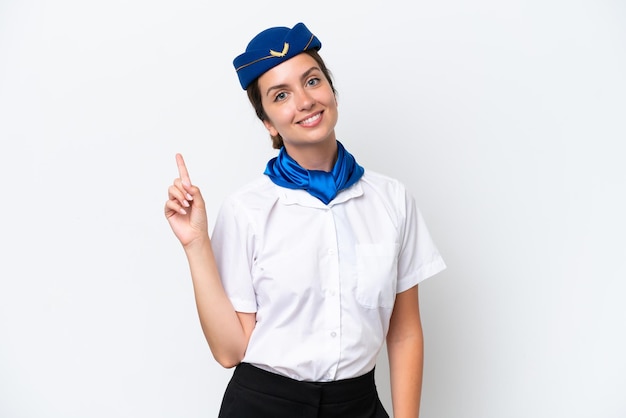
point(280, 54)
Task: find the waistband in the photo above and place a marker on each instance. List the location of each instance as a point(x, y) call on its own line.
point(262, 381)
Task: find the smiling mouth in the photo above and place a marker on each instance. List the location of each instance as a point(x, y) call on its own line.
point(311, 120)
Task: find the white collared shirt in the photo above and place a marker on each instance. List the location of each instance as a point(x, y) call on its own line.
point(322, 279)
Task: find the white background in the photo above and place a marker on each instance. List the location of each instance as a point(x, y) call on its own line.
point(506, 120)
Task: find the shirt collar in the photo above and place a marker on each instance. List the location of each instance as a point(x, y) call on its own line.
point(303, 198)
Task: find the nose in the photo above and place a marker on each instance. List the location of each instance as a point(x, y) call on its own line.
point(304, 100)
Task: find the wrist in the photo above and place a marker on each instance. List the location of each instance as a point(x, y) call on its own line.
point(197, 245)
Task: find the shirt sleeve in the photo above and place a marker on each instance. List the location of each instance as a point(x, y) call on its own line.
point(419, 258)
point(233, 246)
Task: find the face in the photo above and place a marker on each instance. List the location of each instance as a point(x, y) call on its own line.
point(299, 103)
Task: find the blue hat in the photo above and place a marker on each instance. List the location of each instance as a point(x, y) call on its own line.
point(271, 47)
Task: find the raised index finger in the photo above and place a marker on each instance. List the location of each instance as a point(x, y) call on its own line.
point(182, 169)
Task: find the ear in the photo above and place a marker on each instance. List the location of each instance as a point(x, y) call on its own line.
point(270, 128)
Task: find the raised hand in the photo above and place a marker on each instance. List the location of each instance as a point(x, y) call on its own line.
point(226, 330)
point(185, 210)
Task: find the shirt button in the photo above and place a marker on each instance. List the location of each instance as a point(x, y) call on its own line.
point(333, 334)
point(331, 251)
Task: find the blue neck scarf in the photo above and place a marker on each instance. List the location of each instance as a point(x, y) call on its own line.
point(286, 172)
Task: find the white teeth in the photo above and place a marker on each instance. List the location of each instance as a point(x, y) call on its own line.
point(311, 119)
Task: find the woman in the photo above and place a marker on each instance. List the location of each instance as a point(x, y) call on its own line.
point(314, 265)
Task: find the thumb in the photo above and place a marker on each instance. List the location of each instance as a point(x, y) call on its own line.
point(194, 196)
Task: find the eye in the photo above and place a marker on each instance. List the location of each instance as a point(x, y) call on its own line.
point(313, 81)
point(280, 96)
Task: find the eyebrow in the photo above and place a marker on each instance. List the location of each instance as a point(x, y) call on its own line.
point(302, 77)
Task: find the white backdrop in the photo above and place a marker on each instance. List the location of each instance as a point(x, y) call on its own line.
point(504, 119)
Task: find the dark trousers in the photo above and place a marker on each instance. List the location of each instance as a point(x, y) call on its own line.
point(256, 393)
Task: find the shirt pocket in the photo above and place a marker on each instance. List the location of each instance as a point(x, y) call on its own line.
point(377, 274)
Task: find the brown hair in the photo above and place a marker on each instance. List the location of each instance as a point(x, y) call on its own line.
point(254, 94)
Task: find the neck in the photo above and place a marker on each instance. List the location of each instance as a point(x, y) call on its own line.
point(315, 157)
